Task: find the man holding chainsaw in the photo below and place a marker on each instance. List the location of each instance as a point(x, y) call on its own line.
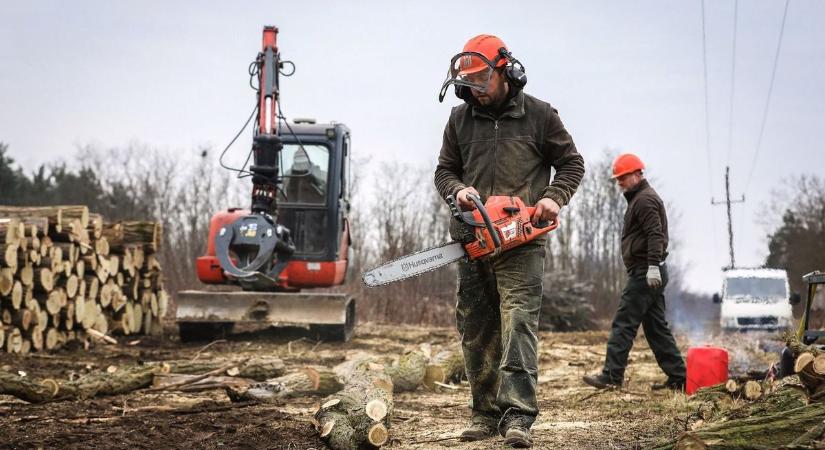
point(501, 141)
point(644, 249)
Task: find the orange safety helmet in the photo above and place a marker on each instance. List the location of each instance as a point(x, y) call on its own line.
point(627, 163)
point(486, 45)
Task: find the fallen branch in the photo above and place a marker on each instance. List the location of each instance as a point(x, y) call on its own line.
point(441, 439)
point(209, 383)
point(302, 382)
point(97, 334)
point(198, 353)
point(258, 369)
point(195, 379)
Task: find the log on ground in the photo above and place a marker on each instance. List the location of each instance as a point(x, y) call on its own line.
point(91, 385)
point(359, 415)
point(258, 369)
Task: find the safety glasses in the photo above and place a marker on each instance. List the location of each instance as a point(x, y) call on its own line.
point(470, 69)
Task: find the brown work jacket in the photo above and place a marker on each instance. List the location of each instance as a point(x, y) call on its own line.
point(644, 235)
point(510, 153)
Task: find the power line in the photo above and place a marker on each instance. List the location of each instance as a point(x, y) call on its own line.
point(732, 79)
point(768, 100)
point(707, 107)
point(707, 127)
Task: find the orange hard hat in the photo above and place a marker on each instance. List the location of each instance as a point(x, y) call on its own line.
point(627, 163)
point(487, 45)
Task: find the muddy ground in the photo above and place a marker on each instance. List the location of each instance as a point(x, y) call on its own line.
point(572, 415)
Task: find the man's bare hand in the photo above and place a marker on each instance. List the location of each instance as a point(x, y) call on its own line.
point(546, 209)
point(465, 203)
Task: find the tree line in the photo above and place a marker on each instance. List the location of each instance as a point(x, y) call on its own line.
point(394, 211)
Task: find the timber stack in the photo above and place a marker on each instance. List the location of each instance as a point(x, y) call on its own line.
point(767, 413)
point(66, 275)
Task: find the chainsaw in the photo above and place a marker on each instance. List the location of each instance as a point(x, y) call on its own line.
point(499, 225)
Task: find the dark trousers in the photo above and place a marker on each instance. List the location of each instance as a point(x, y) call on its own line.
point(642, 305)
point(497, 314)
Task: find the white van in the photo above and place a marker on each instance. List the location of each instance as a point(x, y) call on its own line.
point(755, 299)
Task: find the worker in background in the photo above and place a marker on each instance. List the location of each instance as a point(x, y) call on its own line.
point(644, 249)
point(501, 141)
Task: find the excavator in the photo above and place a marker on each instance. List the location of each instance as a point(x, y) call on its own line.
point(295, 234)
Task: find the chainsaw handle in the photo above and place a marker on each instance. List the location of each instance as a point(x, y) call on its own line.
point(544, 225)
point(487, 222)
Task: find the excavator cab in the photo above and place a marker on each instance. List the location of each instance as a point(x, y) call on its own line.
point(295, 234)
point(315, 203)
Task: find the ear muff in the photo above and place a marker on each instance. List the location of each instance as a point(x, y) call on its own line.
point(514, 71)
point(463, 92)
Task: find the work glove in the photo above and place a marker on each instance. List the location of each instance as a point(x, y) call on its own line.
point(654, 277)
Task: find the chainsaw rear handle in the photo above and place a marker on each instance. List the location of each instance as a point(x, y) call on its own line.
point(487, 222)
point(549, 224)
point(543, 225)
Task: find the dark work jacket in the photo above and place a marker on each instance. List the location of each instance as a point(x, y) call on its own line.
point(510, 153)
point(644, 235)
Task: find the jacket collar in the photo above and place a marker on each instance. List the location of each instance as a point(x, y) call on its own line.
point(513, 108)
point(632, 193)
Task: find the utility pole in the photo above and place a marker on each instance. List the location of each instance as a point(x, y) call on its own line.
point(728, 202)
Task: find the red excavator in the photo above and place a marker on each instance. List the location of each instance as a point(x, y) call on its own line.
point(294, 236)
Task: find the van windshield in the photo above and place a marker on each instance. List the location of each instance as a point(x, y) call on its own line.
point(773, 288)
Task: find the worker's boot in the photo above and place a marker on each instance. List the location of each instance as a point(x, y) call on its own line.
point(601, 381)
point(478, 429)
point(516, 433)
point(671, 383)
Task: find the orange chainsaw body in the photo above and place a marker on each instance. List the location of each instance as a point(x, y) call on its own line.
point(511, 220)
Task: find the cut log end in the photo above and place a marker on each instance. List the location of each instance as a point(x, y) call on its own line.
point(802, 361)
point(819, 364)
point(326, 428)
point(378, 435)
point(732, 386)
point(376, 410)
point(752, 390)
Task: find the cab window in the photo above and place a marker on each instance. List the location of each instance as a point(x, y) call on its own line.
point(304, 170)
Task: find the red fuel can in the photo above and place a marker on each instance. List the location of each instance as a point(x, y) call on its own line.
point(706, 366)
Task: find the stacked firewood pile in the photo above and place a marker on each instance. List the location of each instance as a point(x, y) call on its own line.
point(761, 412)
point(356, 396)
point(65, 275)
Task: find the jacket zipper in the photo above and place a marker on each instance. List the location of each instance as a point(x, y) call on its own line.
point(495, 156)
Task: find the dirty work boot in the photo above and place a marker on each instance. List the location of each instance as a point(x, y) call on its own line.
point(517, 433)
point(671, 383)
point(478, 429)
point(601, 381)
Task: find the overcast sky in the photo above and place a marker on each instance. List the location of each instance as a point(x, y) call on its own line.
point(624, 75)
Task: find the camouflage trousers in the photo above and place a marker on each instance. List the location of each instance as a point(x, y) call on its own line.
point(497, 314)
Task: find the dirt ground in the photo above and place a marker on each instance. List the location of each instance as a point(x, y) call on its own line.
point(572, 414)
